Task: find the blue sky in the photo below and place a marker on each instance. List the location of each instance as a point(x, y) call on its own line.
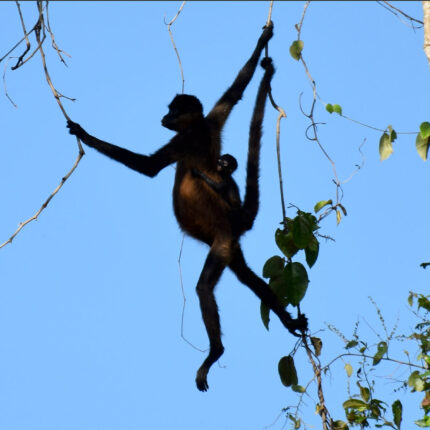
point(90, 294)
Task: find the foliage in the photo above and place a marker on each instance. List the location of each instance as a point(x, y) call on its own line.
point(364, 408)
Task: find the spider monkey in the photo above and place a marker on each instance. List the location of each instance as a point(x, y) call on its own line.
point(200, 210)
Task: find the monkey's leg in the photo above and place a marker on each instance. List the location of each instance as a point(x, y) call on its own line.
point(209, 277)
point(264, 293)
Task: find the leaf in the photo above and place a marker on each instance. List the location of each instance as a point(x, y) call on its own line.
point(302, 231)
point(265, 312)
point(351, 344)
point(364, 393)
point(340, 425)
point(337, 109)
point(385, 147)
point(317, 344)
point(321, 204)
point(280, 287)
point(287, 371)
point(298, 388)
point(392, 133)
point(343, 209)
point(348, 369)
point(397, 409)
point(425, 129)
point(311, 251)
point(273, 267)
point(411, 299)
point(415, 381)
point(425, 422)
point(338, 216)
point(422, 145)
point(329, 108)
point(382, 349)
point(297, 282)
point(355, 404)
point(285, 243)
point(296, 49)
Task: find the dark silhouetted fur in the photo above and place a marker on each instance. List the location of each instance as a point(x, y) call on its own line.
point(200, 210)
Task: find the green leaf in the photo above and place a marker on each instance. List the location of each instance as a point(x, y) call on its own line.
point(397, 409)
point(340, 425)
point(411, 299)
point(311, 251)
point(415, 381)
point(317, 344)
point(329, 108)
point(355, 404)
point(422, 145)
point(302, 231)
point(285, 243)
point(337, 109)
point(273, 267)
point(297, 423)
point(280, 287)
point(425, 129)
point(287, 371)
point(424, 302)
point(382, 349)
point(364, 393)
point(351, 344)
point(265, 312)
point(392, 133)
point(385, 147)
point(296, 49)
point(298, 389)
point(348, 369)
point(425, 422)
point(297, 281)
point(322, 203)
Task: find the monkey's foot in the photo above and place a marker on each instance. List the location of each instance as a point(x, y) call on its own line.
point(296, 326)
point(202, 378)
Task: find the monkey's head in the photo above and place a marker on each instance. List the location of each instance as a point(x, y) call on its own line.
point(184, 110)
point(226, 165)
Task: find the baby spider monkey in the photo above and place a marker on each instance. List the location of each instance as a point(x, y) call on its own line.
point(226, 187)
point(200, 210)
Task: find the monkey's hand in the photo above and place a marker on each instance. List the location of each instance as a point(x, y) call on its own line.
point(75, 129)
point(267, 65)
point(267, 34)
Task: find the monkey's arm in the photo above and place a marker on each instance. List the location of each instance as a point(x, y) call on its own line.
point(251, 199)
point(225, 104)
point(147, 165)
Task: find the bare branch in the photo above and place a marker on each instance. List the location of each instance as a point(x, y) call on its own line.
point(396, 11)
point(40, 27)
point(281, 115)
point(174, 45)
point(4, 84)
point(185, 299)
point(54, 44)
